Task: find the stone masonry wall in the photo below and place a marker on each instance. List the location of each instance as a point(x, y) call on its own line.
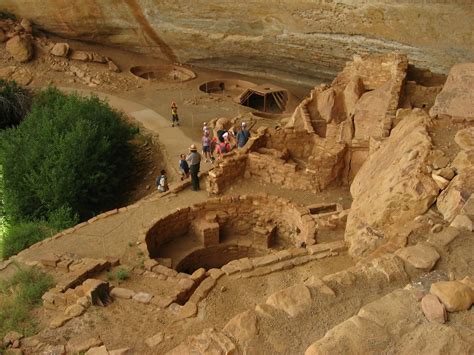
point(236, 215)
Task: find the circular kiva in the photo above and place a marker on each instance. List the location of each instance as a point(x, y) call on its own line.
point(168, 73)
point(219, 230)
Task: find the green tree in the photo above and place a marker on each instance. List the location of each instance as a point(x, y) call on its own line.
point(15, 102)
point(69, 156)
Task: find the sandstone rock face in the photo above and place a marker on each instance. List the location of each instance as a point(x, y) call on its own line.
point(310, 37)
point(457, 96)
point(456, 296)
point(451, 200)
point(391, 188)
point(20, 48)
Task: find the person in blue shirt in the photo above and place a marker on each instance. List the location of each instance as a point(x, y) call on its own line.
point(183, 167)
point(162, 182)
point(243, 135)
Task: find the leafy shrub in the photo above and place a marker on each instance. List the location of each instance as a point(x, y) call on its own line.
point(122, 274)
point(69, 155)
point(18, 296)
point(5, 15)
point(15, 103)
point(63, 218)
point(22, 235)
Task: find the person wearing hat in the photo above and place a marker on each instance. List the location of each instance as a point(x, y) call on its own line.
point(194, 161)
point(243, 135)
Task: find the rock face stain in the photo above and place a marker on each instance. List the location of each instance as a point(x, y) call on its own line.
point(145, 25)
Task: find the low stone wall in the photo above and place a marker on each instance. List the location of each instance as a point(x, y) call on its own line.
point(216, 256)
point(236, 216)
point(290, 158)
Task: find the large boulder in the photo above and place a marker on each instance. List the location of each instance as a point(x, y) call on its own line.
point(392, 187)
point(21, 48)
point(457, 97)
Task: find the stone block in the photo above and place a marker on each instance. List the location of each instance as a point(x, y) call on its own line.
point(75, 310)
point(421, 256)
point(263, 237)
point(97, 291)
point(168, 262)
point(81, 344)
point(59, 321)
point(142, 297)
point(203, 290)
point(207, 232)
point(160, 269)
point(64, 265)
point(188, 310)
point(150, 264)
point(198, 275)
point(215, 273)
point(50, 260)
point(463, 222)
point(455, 295)
point(119, 292)
point(318, 248)
point(162, 301)
point(265, 260)
point(443, 238)
point(283, 255)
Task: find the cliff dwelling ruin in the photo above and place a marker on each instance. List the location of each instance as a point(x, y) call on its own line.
point(342, 225)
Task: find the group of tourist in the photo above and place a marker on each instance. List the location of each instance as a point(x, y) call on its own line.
point(212, 148)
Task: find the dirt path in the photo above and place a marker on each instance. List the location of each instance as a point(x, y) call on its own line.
point(172, 139)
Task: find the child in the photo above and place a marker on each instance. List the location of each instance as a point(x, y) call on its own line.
point(183, 167)
point(162, 182)
point(206, 146)
point(205, 128)
point(174, 114)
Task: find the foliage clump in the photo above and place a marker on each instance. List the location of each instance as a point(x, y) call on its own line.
point(66, 161)
point(15, 103)
point(22, 235)
point(18, 296)
point(68, 158)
